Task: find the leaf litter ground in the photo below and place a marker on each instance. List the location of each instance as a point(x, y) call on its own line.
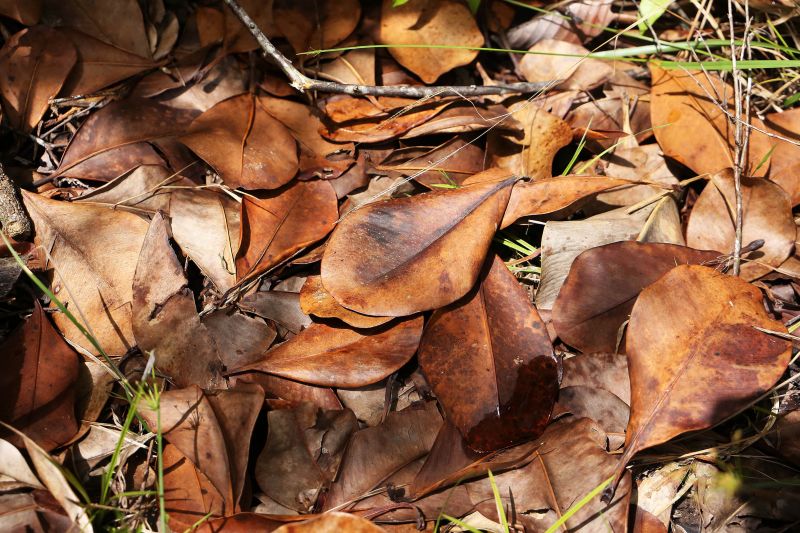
point(246, 307)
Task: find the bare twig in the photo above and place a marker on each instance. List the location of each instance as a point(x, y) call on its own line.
point(303, 83)
point(741, 96)
point(13, 217)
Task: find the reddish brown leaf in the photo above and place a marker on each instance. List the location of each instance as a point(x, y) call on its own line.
point(248, 147)
point(293, 392)
point(276, 225)
point(378, 452)
point(188, 494)
point(711, 346)
point(439, 22)
point(561, 60)
point(767, 216)
point(607, 371)
point(330, 24)
point(38, 375)
point(603, 284)
point(165, 319)
point(27, 13)
point(378, 251)
point(117, 125)
point(463, 159)
point(315, 300)
point(494, 340)
point(302, 455)
point(342, 357)
point(692, 128)
point(784, 167)
point(34, 64)
point(384, 128)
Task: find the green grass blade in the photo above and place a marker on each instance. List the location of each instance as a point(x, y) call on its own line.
point(498, 501)
point(579, 505)
point(459, 523)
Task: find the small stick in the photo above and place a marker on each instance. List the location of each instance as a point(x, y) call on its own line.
point(303, 83)
point(13, 217)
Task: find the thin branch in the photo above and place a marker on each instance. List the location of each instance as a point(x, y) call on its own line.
point(303, 83)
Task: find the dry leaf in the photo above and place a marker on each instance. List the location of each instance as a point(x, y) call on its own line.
point(94, 252)
point(767, 215)
point(379, 250)
point(439, 22)
point(342, 357)
point(315, 300)
point(602, 285)
point(673, 355)
point(248, 147)
point(494, 340)
point(550, 60)
point(34, 64)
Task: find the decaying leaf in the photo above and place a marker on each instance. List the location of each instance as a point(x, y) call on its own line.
point(333, 522)
point(767, 216)
point(494, 340)
point(342, 357)
point(602, 285)
point(677, 354)
point(375, 252)
point(315, 300)
point(439, 22)
point(37, 375)
point(165, 320)
point(276, 225)
point(34, 64)
point(551, 60)
point(692, 127)
point(94, 251)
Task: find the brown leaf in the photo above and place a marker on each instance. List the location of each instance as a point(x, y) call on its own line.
point(103, 20)
point(315, 300)
point(333, 522)
point(551, 60)
point(38, 376)
point(240, 339)
point(282, 307)
point(27, 13)
point(439, 22)
point(309, 25)
point(784, 166)
point(212, 430)
point(376, 453)
point(189, 495)
point(342, 357)
point(580, 22)
point(248, 147)
point(293, 392)
point(276, 225)
point(673, 355)
point(598, 404)
point(385, 128)
point(237, 36)
point(463, 118)
point(302, 455)
point(381, 249)
point(100, 64)
point(118, 125)
point(165, 320)
point(544, 136)
point(34, 64)
point(607, 371)
point(205, 224)
point(94, 250)
point(767, 215)
point(691, 127)
point(603, 284)
point(143, 189)
point(570, 461)
point(463, 160)
point(494, 340)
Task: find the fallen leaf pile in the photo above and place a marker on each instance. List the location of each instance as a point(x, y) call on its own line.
point(260, 309)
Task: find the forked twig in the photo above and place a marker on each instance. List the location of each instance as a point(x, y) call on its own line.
point(303, 83)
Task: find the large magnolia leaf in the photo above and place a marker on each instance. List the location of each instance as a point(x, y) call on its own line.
point(275, 225)
point(342, 357)
point(439, 22)
point(710, 345)
point(34, 64)
point(248, 147)
point(94, 251)
point(38, 372)
point(691, 127)
point(602, 285)
point(315, 300)
point(767, 216)
point(494, 340)
point(402, 256)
